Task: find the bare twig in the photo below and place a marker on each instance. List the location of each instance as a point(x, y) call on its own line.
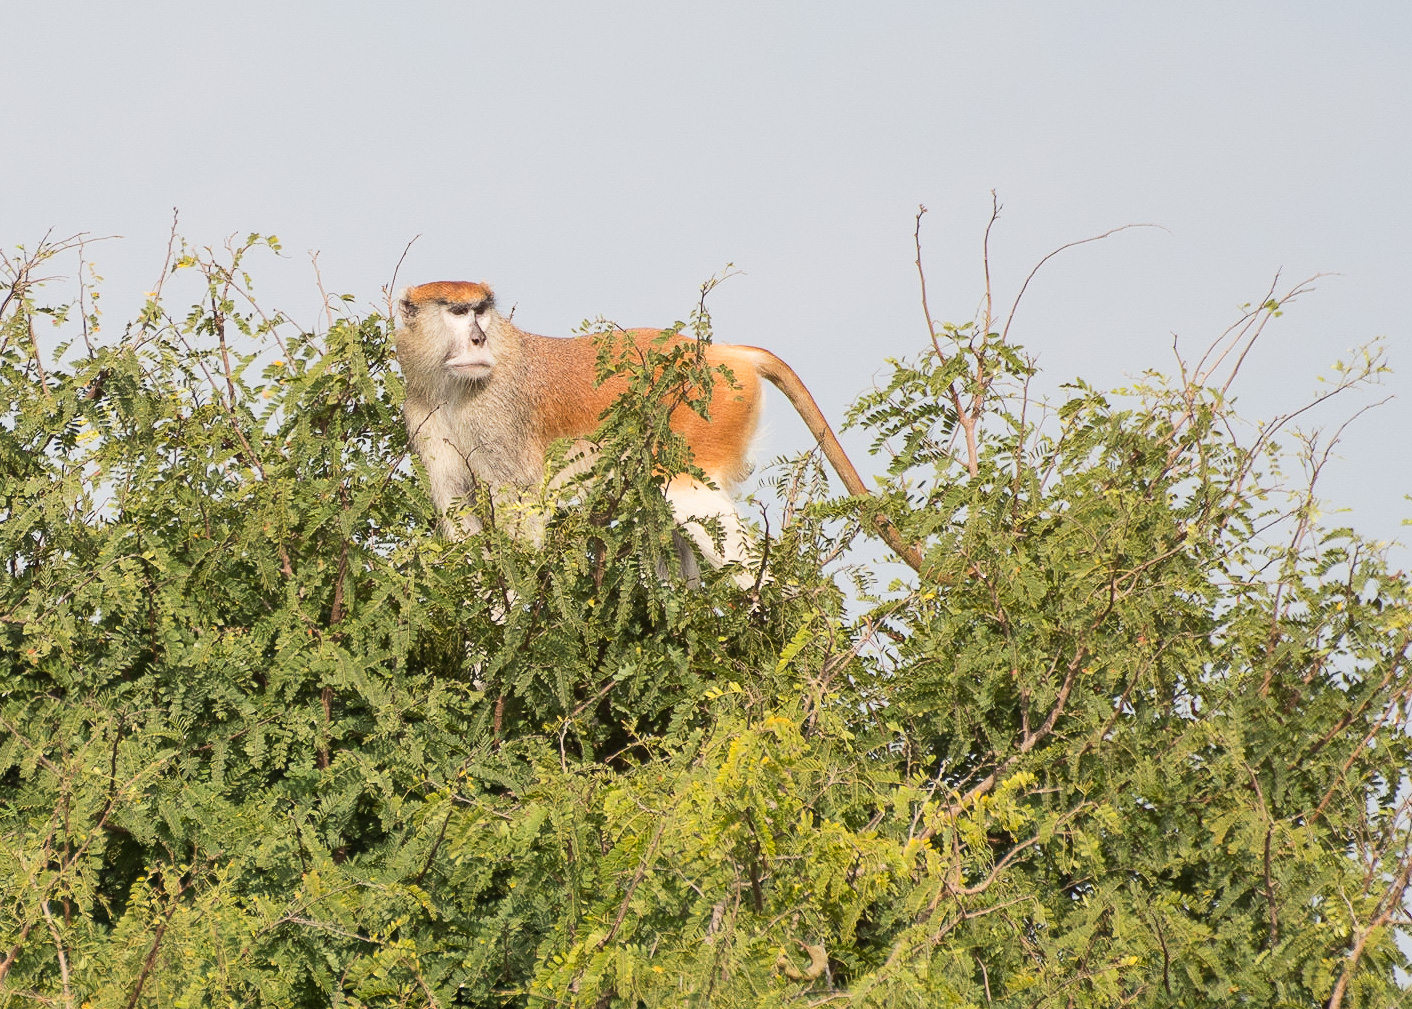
point(922, 278)
point(1068, 245)
point(964, 419)
point(985, 260)
point(82, 313)
point(319, 283)
point(167, 262)
point(391, 289)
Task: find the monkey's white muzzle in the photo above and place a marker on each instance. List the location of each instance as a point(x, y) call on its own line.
point(473, 366)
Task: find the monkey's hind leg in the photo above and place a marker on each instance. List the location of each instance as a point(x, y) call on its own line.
point(691, 501)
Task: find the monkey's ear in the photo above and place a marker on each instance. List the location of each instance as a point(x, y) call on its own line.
point(408, 308)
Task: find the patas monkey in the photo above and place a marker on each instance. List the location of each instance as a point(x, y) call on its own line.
point(485, 400)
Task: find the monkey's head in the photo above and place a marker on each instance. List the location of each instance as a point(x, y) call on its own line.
point(445, 331)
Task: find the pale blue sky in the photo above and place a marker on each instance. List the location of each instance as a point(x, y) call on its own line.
point(603, 159)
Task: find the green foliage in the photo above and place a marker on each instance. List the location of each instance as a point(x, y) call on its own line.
point(269, 741)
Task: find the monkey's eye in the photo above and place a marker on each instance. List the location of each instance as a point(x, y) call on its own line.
point(460, 309)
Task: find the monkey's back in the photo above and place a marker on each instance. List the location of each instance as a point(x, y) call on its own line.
point(569, 404)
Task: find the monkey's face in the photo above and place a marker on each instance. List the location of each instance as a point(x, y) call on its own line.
point(464, 330)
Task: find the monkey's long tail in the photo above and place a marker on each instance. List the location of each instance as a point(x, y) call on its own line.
point(783, 378)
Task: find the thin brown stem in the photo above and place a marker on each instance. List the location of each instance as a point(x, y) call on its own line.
point(985, 260)
point(1068, 245)
point(922, 279)
point(391, 289)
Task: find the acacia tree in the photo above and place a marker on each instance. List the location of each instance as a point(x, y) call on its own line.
point(1135, 736)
